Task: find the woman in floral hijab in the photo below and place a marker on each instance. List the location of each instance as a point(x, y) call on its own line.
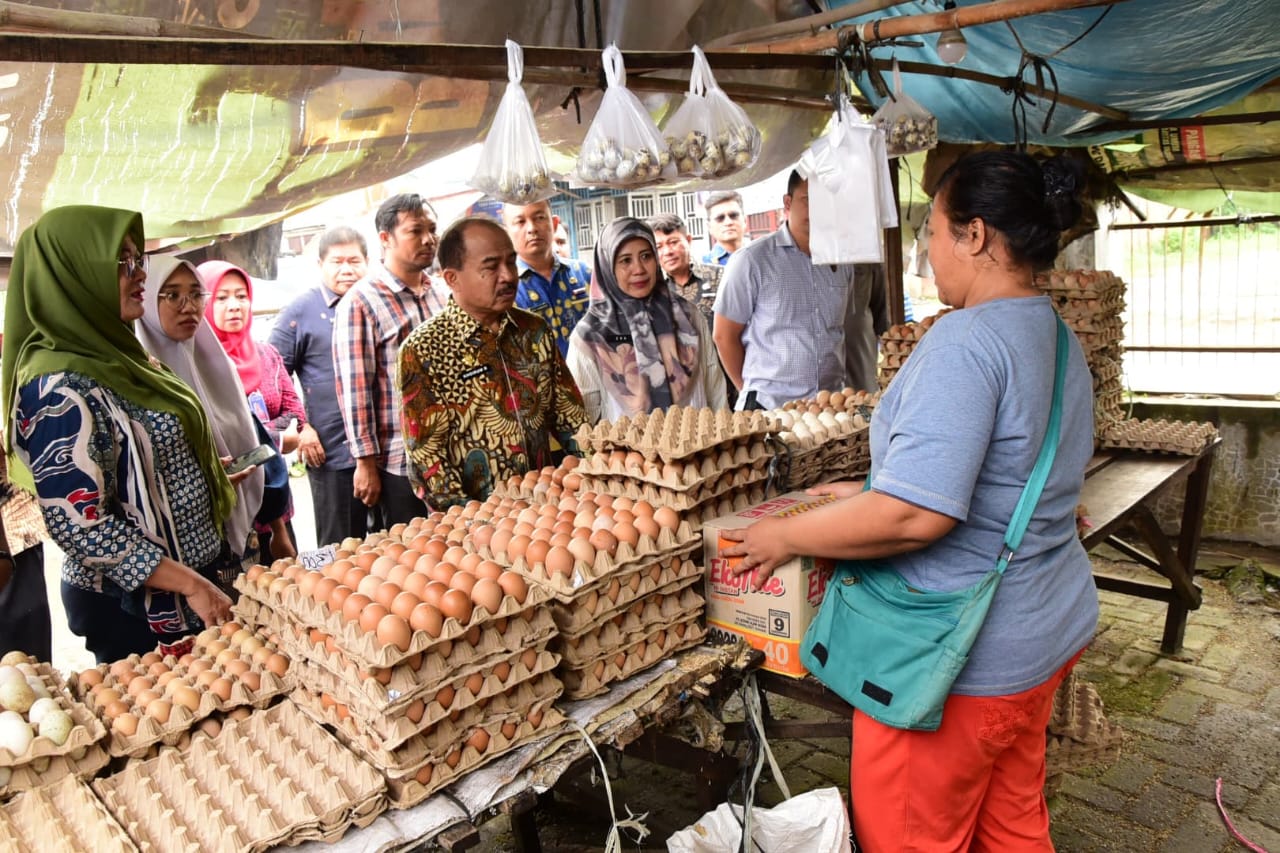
point(640, 347)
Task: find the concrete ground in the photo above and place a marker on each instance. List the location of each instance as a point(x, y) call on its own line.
point(1211, 712)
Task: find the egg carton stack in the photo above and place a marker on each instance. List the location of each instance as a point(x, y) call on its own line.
point(827, 437)
point(702, 463)
point(898, 342)
point(152, 699)
point(274, 778)
point(619, 570)
point(425, 668)
point(1184, 438)
point(64, 815)
point(45, 734)
point(1090, 303)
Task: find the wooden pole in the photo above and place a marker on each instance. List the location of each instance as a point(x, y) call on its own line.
point(1209, 165)
point(1192, 121)
point(33, 18)
point(911, 25)
point(893, 271)
point(809, 23)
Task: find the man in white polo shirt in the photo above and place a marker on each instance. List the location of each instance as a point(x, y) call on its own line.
point(781, 321)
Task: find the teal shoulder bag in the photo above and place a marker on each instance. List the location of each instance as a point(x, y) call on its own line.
point(893, 651)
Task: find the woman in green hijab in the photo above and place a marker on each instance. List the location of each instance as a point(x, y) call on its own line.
point(117, 449)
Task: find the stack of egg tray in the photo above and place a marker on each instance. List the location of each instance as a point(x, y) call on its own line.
point(827, 438)
point(82, 754)
point(897, 343)
point(1182, 438)
point(676, 433)
point(1090, 302)
point(63, 817)
point(273, 778)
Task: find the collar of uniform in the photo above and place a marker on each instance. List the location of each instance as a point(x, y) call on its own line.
point(522, 267)
point(470, 326)
point(784, 236)
point(330, 298)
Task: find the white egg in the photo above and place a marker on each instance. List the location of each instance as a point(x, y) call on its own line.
point(843, 418)
point(16, 695)
point(15, 734)
point(39, 708)
point(57, 726)
point(36, 683)
point(9, 672)
point(5, 774)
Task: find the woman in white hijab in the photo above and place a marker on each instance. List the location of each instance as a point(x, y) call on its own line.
point(173, 330)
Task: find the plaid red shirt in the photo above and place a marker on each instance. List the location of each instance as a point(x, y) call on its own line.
point(373, 319)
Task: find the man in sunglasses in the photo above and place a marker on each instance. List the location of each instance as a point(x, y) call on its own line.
point(726, 225)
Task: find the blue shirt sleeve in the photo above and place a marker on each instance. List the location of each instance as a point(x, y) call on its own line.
point(736, 298)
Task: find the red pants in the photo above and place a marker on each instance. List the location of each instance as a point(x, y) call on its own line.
point(974, 784)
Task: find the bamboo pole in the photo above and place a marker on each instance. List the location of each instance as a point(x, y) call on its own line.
point(1191, 121)
point(809, 23)
point(35, 19)
point(1207, 165)
point(910, 25)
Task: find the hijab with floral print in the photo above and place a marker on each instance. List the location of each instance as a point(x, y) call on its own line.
point(647, 349)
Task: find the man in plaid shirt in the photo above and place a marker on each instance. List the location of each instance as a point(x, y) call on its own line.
point(373, 319)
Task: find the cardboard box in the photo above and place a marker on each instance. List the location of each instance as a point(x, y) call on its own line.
point(774, 618)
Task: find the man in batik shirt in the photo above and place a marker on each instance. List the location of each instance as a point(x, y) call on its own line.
point(553, 287)
point(484, 386)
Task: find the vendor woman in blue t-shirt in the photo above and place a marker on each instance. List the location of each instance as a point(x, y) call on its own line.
point(952, 444)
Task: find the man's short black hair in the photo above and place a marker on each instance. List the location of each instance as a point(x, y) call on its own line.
point(721, 198)
point(794, 181)
point(388, 215)
point(452, 251)
point(668, 223)
point(341, 235)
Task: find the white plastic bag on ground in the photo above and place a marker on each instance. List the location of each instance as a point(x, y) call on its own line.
point(815, 822)
point(512, 167)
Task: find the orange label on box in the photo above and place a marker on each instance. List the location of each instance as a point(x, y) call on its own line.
point(782, 656)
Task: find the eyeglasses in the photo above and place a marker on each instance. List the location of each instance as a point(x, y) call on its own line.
point(732, 216)
point(132, 263)
point(174, 299)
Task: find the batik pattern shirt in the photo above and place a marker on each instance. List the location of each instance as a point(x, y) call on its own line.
point(481, 406)
point(374, 318)
point(700, 289)
point(560, 302)
point(119, 485)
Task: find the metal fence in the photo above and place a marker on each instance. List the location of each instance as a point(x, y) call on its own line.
point(1203, 313)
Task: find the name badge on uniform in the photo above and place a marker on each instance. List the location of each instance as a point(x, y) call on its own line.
point(618, 339)
point(478, 370)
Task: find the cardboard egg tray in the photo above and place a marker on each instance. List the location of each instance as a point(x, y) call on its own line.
point(592, 606)
point(437, 741)
point(64, 816)
point(1185, 438)
point(364, 647)
point(275, 777)
point(527, 629)
point(727, 504)
point(722, 482)
point(181, 718)
point(86, 731)
point(595, 678)
point(392, 726)
point(682, 542)
point(676, 476)
point(1097, 325)
point(676, 433)
point(625, 628)
point(1080, 284)
point(410, 790)
point(84, 763)
point(1112, 304)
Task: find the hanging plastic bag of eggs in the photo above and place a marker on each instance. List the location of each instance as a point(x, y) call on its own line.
point(622, 147)
point(512, 167)
point(710, 136)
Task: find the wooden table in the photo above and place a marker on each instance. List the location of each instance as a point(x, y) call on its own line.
point(1118, 489)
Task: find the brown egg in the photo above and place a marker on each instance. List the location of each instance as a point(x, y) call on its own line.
point(206, 678)
point(211, 726)
point(354, 606)
point(453, 758)
point(409, 558)
point(529, 659)
point(423, 776)
point(559, 561)
point(487, 593)
point(322, 590)
point(398, 575)
point(365, 559)
point(226, 656)
point(502, 669)
point(122, 668)
point(395, 549)
point(339, 597)
point(237, 667)
point(386, 593)
point(514, 585)
point(428, 618)
point(479, 740)
point(454, 555)
point(307, 582)
point(403, 604)
point(488, 569)
point(642, 509)
point(604, 540)
point(371, 616)
point(90, 678)
point(436, 546)
point(666, 517)
point(382, 566)
point(353, 577)
point(464, 581)
point(433, 592)
point(125, 724)
point(253, 573)
point(500, 540)
point(442, 572)
point(535, 718)
point(338, 569)
point(198, 666)
point(139, 683)
point(369, 586)
point(415, 583)
point(159, 710)
point(145, 698)
point(517, 546)
point(508, 730)
point(536, 552)
point(445, 696)
point(187, 697)
point(221, 688)
point(456, 604)
point(473, 635)
point(251, 680)
point(474, 683)
point(481, 535)
point(581, 548)
point(277, 664)
point(647, 526)
point(415, 710)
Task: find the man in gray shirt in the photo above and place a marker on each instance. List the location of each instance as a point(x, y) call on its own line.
point(785, 328)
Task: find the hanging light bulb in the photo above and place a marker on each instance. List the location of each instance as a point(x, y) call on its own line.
point(951, 44)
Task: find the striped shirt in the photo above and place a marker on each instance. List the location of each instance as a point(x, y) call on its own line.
point(373, 319)
point(794, 312)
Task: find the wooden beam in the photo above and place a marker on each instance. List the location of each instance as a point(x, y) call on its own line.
point(19, 16)
point(809, 23)
point(912, 25)
point(746, 93)
point(1192, 121)
point(1194, 223)
point(1157, 171)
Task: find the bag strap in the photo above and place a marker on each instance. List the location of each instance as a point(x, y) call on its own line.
point(1044, 462)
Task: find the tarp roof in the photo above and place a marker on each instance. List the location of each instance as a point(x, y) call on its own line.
point(212, 150)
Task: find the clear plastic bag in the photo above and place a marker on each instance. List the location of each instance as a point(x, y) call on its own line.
point(908, 127)
point(623, 147)
point(710, 136)
point(512, 167)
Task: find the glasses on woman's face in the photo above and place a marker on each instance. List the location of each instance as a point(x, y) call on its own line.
point(180, 300)
point(133, 264)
